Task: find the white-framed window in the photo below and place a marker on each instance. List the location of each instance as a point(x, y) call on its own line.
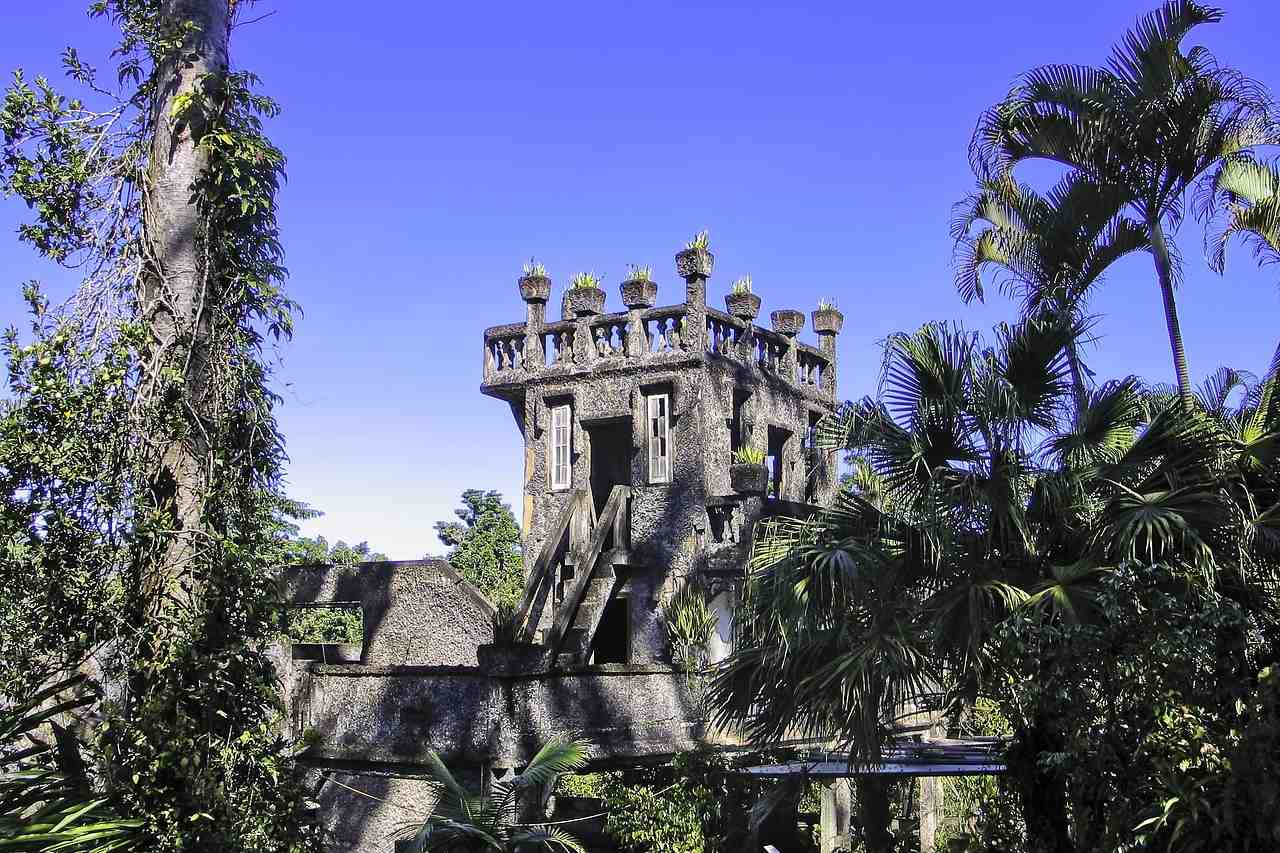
point(561, 444)
point(659, 433)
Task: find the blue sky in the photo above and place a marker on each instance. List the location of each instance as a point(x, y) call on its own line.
point(435, 146)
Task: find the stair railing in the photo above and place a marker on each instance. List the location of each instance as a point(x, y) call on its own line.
point(562, 542)
point(613, 522)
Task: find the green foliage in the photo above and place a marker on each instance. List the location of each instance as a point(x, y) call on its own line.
point(534, 269)
point(646, 818)
point(741, 285)
point(463, 821)
point(485, 546)
point(981, 499)
point(580, 785)
point(302, 550)
point(827, 304)
point(1144, 702)
point(748, 456)
point(689, 624)
point(324, 624)
point(586, 281)
point(695, 804)
point(189, 746)
point(639, 273)
point(701, 240)
point(46, 803)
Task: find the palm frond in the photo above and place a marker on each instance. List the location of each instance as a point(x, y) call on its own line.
point(1070, 594)
point(561, 754)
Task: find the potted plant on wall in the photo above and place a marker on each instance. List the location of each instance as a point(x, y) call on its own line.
point(535, 284)
point(585, 295)
point(748, 474)
point(826, 319)
point(639, 290)
point(741, 302)
point(787, 321)
point(696, 259)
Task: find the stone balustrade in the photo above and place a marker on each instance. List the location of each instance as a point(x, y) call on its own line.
point(513, 355)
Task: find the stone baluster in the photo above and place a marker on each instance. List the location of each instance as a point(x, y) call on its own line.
point(787, 323)
point(695, 266)
point(828, 322)
point(534, 290)
point(638, 295)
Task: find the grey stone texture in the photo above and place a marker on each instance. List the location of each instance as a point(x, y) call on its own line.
point(430, 676)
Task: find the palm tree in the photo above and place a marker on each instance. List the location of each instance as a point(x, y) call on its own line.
point(1245, 197)
point(1149, 124)
point(974, 498)
point(1054, 248)
point(466, 822)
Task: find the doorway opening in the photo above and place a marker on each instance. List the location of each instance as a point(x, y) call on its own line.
point(775, 457)
point(612, 642)
point(611, 453)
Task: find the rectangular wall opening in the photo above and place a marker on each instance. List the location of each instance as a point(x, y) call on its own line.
point(776, 455)
point(611, 453)
point(612, 643)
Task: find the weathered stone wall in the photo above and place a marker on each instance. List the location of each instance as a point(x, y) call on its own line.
point(416, 612)
point(371, 723)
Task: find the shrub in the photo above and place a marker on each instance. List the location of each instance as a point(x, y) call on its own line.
point(639, 273)
point(585, 280)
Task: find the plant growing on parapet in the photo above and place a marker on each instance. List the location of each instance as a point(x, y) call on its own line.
point(748, 456)
point(690, 624)
point(586, 280)
point(534, 269)
point(485, 820)
point(701, 241)
point(827, 304)
point(741, 286)
point(639, 273)
point(505, 629)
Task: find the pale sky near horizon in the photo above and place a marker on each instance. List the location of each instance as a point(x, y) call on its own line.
point(433, 147)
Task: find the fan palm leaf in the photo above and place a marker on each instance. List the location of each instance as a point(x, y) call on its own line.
point(462, 821)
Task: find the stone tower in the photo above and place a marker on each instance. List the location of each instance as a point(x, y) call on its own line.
point(631, 421)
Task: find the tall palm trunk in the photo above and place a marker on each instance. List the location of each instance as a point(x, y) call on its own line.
point(874, 813)
point(178, 295)
point(1077, 378)
point(1164, 272)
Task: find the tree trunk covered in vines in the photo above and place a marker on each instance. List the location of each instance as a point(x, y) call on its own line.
point(179, 292)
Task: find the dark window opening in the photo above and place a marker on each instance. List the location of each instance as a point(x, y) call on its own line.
point(739, 431)
point(775, 457)
point(610, 458)
point(613, 636)
point(813, 460)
